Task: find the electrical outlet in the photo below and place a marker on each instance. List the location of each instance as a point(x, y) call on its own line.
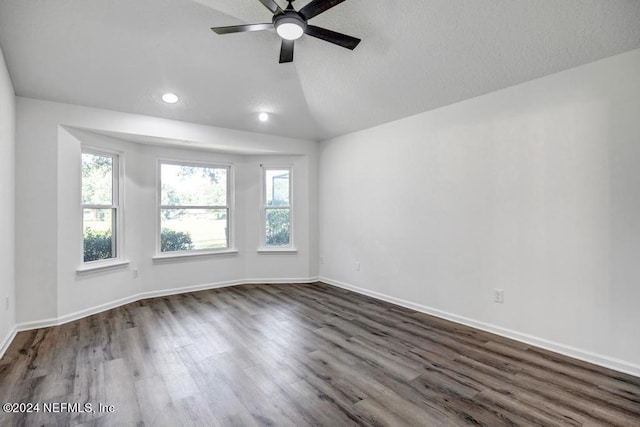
point(357, 265)
point(321, 260)
point(134, 273)
point(498, 295)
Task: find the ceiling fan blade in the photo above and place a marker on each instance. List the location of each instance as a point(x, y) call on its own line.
point(316, 7)
point(286, 51)
point(332, 37)
point(242, 28)
point(272, 6)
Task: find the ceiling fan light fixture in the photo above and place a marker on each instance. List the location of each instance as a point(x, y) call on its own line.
point(289, 26)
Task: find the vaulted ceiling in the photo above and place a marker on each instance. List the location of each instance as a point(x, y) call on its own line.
point(415, 55)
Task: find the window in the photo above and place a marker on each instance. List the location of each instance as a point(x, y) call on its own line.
point(194, 207)
point(277, 208)
point(100, 206)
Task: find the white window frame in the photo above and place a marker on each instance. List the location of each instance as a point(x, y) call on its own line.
point(117, 187)
point(230, 249)
point(263, 248)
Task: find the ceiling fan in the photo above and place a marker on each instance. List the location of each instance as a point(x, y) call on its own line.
point(291, 25)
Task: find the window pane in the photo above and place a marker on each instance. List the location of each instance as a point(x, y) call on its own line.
point(98, 227)
point(193, 229)
point(97, 179)
point(277, 187)
point(193, 186)
point(277, 227)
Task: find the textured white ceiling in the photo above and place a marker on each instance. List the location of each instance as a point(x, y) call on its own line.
point(415, 55)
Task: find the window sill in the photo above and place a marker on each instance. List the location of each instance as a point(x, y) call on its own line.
point(103, 266)
point(277, 251)
point(186, 256)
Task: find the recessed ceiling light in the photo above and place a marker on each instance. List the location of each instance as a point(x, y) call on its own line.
point(170, 98)
point(263, 117)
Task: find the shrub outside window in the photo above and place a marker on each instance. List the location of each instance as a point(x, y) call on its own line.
point(194, 207)
point(100, 206)
point(277, 230)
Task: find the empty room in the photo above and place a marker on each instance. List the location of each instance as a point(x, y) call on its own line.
point(319, 212)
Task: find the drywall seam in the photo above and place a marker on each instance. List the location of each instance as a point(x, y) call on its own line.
point(576, 353)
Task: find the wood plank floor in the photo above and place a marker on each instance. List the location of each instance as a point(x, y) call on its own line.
point(298, 355)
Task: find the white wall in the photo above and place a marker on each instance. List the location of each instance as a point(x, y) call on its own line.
point(50, 135)
point(534, 189)
point(7, 224)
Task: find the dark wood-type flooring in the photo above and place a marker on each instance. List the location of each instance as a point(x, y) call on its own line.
point(299, 355)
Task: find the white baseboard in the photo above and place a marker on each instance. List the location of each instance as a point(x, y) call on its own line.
point(587, 356)
point(44, 323)
point(576, 353)
point(7, 341)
